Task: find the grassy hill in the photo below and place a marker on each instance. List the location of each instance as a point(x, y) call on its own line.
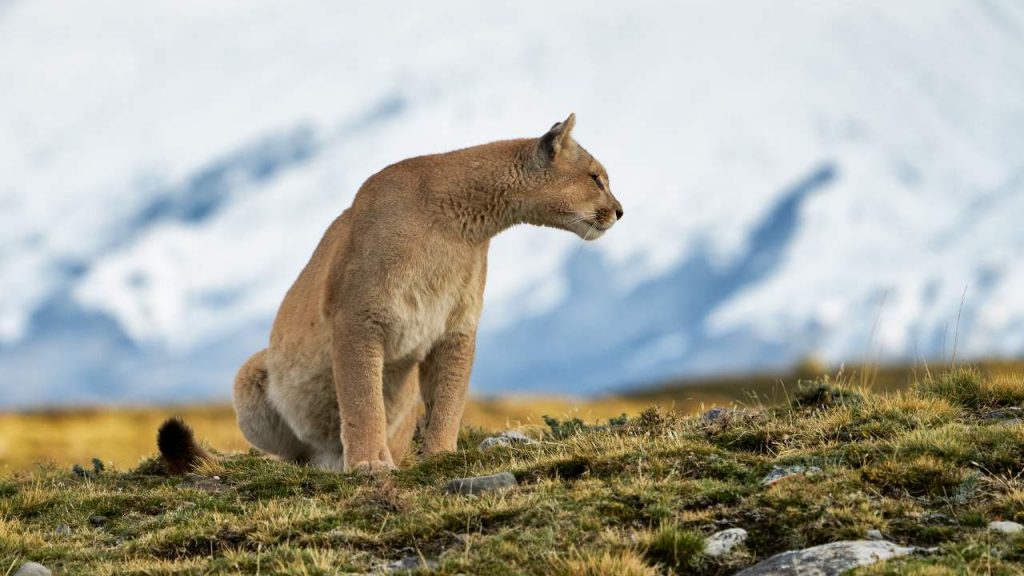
point(928, 466)
point(123, 435)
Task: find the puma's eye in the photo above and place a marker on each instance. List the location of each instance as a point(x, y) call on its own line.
point(597, 180)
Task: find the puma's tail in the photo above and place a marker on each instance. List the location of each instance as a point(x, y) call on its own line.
point(178, 447)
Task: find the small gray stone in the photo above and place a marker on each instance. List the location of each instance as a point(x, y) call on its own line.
point(98, 520)
point(828, 559)
point(479, 484)
point(937, 518)
point(33, 569)
point(1010, 413)
point(778, 474)
point(875, 534)
point(204, 483)
point(721, 543)
point(505, 439)
point(1005, 527)
point(410, 563)
point(716, 414)
point(62, 529)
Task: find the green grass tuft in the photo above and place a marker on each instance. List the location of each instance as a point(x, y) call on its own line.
point(824, 392)
point(970, 388)
point(675, 548)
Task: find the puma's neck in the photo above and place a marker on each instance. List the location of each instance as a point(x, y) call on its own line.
point(477, 192)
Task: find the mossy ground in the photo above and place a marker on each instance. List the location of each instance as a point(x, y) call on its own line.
point(929, 467)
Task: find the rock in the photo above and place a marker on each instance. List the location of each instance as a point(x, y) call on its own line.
point(778, 474)
point(716, 414)
point(204, 483)
point(97, 520)
point(937, 518)
point(62, 529)
point(479, 484)
point(508, 438)
point(828, 559)
point(875, 534)
point(1009, 413)
point(33, 569)
point(411, 563)
point(721, 543)
point(1005, 527)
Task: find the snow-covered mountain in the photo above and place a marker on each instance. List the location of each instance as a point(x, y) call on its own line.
point(799, 178)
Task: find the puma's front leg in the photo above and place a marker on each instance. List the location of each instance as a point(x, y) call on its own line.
point(357, 356)
point(444, 380)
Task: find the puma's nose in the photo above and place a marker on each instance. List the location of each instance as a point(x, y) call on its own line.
point(618, 213)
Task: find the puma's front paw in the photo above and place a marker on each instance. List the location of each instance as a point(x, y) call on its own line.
point(427, 452)
point(372, 463)
point(432, 446)
point(371, 467)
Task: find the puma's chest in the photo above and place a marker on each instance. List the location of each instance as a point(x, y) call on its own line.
point(423, 314)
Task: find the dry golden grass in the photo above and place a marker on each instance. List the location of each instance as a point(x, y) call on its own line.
point(627, 563)
point(123, 436)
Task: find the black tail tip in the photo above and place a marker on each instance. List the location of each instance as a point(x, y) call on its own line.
point(178, 446)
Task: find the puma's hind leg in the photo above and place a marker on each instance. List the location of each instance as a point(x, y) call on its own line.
point(260, 422)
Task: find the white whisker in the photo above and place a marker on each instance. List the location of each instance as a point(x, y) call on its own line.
point(588, 232)
point(581, 217)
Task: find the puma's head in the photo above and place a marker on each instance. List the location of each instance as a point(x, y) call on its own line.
point(570, 187)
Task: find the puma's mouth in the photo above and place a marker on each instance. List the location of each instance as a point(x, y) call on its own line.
point(590, 229)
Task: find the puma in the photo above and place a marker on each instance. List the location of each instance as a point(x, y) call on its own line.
point(385, 313)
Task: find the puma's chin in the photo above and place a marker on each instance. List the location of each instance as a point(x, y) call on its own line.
point(589, 230)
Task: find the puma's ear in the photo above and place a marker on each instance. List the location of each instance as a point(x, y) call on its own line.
point(552, 142)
